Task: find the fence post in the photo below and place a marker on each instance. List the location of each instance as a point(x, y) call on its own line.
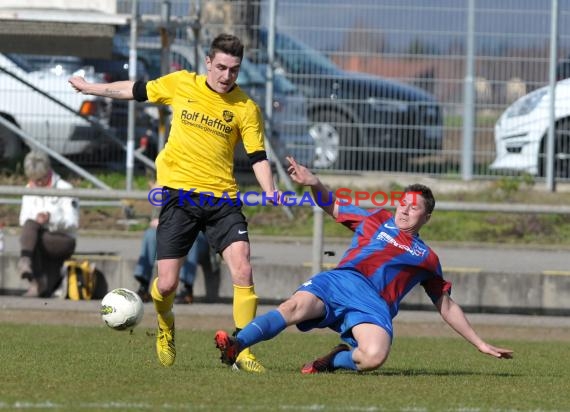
point(130, 166)
point(469, 96)
point(550, 142)
point(318, 231)
point(165, 26)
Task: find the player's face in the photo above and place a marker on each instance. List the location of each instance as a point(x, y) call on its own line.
point(223, 70)
point(411, 213)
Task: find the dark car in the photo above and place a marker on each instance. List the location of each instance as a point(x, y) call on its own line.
point(355, 115)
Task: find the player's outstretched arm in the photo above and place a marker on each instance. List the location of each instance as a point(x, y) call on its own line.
point(122, 90)
point(264, 176)
point(300, 174)
point(452, 313)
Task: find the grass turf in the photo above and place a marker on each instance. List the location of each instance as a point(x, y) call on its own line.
point(94, 368)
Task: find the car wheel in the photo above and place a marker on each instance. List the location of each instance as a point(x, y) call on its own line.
point(335, 141)
point(561, 151)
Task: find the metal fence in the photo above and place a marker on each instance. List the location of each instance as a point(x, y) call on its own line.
point(369, 84)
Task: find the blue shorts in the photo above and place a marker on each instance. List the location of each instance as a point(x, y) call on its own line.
point(349, 300)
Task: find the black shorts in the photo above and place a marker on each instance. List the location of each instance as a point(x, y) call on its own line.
point(184, 215)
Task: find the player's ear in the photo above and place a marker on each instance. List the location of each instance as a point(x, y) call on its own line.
point(428, 217)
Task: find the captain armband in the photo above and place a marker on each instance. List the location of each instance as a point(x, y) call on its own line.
point(257, 157)
point(139, 91)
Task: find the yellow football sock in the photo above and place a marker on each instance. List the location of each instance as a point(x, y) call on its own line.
point(244, 308)
point(163, 306)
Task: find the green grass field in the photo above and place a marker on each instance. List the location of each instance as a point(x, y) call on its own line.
point(75, 368)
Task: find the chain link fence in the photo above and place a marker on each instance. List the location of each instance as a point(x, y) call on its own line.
point(368, 85)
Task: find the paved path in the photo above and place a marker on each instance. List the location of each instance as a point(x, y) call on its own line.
point(271, 250)
point(493, 258)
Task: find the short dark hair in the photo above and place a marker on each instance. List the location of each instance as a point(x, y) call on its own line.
point(228, 44)
point(425, 192)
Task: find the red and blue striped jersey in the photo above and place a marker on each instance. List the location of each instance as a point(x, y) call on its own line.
point(392, 260)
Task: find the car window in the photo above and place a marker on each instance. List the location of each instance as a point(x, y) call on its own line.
point(280, 83)
point(283, 84)
point(303, 53)
point(55, 64)
point(178, 61)
point(298, 57)
point(563, 69)
point(19, 61)
point(249, 75)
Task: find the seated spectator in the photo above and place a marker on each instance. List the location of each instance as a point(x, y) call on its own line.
point(49, 225)
point(200, 254)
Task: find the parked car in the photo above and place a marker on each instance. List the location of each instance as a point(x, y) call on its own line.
point(289, 127)
point(104, 151)
point(41, 118)
point(563, 69)
point(356, 114)
point(521, 133)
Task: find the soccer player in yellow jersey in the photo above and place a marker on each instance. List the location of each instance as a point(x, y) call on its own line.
point(210, 114)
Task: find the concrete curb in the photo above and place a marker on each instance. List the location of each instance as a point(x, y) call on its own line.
point(476, 290)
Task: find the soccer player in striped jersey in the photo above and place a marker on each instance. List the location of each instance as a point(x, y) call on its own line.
point(360, 297)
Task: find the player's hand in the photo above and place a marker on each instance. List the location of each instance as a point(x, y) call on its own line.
point(496, 352)
point(42, 218)
point(300, 174)
point(78, 83)
point(275, 197)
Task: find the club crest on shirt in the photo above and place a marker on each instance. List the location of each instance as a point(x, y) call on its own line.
point(418, 250)
point(228, 116)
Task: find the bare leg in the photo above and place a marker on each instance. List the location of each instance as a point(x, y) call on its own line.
point(374, 345)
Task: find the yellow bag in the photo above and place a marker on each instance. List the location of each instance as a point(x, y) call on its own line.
point(81, 279)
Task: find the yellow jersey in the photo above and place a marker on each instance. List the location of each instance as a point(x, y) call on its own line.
point(205, 128)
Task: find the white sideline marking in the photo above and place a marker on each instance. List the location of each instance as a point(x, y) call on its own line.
point(556, 272)
point(121, 406)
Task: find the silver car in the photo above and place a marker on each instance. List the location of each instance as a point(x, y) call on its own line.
point(33, 98)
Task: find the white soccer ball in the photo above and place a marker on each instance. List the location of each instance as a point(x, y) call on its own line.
point(122, 309)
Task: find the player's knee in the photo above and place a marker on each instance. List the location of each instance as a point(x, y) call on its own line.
point(372, 357)
point(242, 276)
point(241, 273)
point(288, 307)
point(291, 310)
point(167, 285)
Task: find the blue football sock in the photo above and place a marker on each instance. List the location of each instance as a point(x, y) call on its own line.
point(263, 327)
point(343, 360)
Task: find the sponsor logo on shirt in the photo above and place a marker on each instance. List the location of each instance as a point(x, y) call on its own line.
point(207, 123)
point(415, 250)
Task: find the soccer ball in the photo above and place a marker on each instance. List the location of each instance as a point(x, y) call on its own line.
point(122, 309)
